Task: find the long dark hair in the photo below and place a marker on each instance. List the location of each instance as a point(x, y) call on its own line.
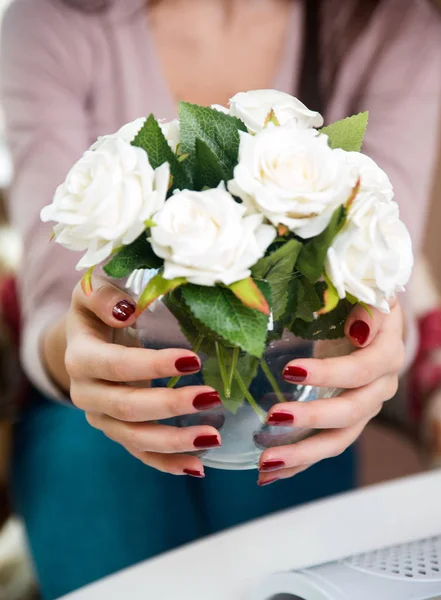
point(331, 28)
point(89, 5)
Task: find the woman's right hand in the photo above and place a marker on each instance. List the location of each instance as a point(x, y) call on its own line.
point(127, 414)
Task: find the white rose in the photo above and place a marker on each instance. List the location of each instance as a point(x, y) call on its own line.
point(127, 133)
point(205, 237)
point(106, 199)
point(373, 180)
point(220, 108)
point(371, 258)
point(253, 108)
point(292, 176)
point(171, 131)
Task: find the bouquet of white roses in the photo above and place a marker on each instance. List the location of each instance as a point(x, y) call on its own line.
point(256, 220)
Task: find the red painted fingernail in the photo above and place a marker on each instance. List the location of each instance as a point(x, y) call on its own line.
point(359, 331)
point(206, 442)
point(187, 364)
point(272, 465)
point(294, 374)
point(123, 310)
point(280, 418)
point(193, 473)
point(267, 482)
point(206, 401)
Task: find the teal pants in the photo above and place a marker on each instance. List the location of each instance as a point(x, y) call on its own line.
point(91, 509)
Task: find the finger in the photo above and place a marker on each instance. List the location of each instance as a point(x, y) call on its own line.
point(345, 410)
point(327, 444)
point(267, 478)
point(90, 358)
point(175, 465)
point(138, 404)
point(107, 303)
point(151, 437)
point(384, 355)
point(363, 324)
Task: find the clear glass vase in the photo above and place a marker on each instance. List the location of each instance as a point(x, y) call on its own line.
point(242, 424)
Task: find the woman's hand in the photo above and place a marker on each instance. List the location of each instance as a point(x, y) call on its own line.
point(370, 376)
point(127, 414)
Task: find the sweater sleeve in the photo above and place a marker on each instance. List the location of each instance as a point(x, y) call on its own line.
point(394, 72)
point(44, 80)
point(403, 96)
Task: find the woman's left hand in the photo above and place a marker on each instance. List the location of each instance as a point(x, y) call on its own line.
point(370, 376)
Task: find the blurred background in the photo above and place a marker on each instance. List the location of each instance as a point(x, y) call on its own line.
point(16, 577)
point(387, 451)
point(5, 165)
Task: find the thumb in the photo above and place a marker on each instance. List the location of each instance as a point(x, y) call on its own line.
point(363, 324)
point(107, 302)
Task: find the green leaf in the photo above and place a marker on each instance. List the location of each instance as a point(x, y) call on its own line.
point(278, 262)
point(303, 300)
point(278, 270)
point(250, 295)
point(347, 134)
point(193, 329)
point(175, 304)
point(189, 325)
point(294, 295)
point(309, 299)
point(151, 139)
point(156, 287)
point(219, 131)
point(137, 255)
point(326, 327)
point(313, 254)
point(218, 309)
point(247, 367)
point(208, 171)
point(293, 298)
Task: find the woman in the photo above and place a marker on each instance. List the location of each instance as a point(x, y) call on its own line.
point(73, 70)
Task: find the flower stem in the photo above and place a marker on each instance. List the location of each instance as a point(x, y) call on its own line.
point(272, 380)
point(233, 367)
point(259, 412)
point(223, 370)
point(197, 345)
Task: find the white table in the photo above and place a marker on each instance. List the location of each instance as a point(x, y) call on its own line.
point(228, 565)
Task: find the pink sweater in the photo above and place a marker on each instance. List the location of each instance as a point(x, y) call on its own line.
point(68, 77)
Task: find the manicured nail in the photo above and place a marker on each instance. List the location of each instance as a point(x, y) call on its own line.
point(280, 418)
point(267, 482)
point(206, 401)
point(271, 465)
point(205, 442)
point(187, 364)
point(193, 473)
point(123, 310)
point(294, 374)
point(359, 331)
